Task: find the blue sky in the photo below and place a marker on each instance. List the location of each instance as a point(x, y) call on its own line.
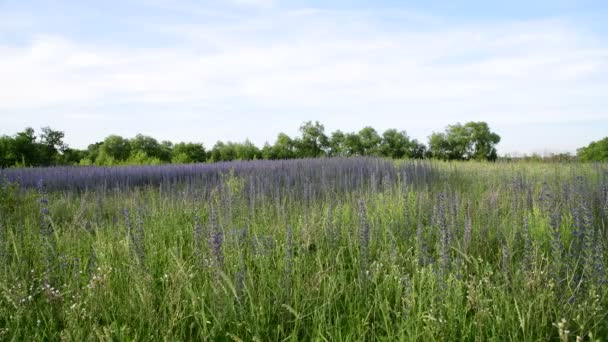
point(536, 71)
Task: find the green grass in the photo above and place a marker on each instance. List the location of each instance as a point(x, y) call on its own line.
point(180, 290)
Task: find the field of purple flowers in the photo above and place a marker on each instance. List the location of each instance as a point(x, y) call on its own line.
point(356, 249)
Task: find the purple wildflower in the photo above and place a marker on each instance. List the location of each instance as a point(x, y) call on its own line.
point(467, 234)
point(506, 259)
point(527, 257)
point(217, 240)
point(363, 238)
point(198, 236)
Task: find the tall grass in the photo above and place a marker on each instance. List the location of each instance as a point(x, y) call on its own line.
point(453, 251)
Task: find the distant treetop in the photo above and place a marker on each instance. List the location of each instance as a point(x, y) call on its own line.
point(473, 140)
point(596, 151)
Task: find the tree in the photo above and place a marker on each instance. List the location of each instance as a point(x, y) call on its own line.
point(53, 139)
point(283, 148)
point(149, 147)
point(473, 140)
point(417, 150)
point(189, 153)
point(165, 151)
point(394, 144)
point(6, 151)
point(25, 151)
point(337, 144)
point(234, 151)
point(267, 151)
point(92, 153)
point(247, 151)
point(51, 145)
point(594, 152)
point(314, 143)
point(114, 147)
point(222, 152)
point(484, 141)
point(71, 156)
point(370, 141)
point(353, 145)
point(440, 148)
point(28, 134)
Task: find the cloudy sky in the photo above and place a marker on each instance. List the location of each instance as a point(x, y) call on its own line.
point(535, 70)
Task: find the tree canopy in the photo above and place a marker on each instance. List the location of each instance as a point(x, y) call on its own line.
point(596, 151)
point(473, 140)
point(28, 149)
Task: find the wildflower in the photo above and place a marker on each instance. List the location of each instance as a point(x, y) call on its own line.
point(363, 237)
point(466, 236)
point(136, 236)
point(444, 243)
point(506, 258)
point(217, 240)
point(198, 235)
point(288, 250)
point(527, 247)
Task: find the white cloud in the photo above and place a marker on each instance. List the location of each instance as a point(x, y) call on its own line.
point(257, 3)
point(324, 63)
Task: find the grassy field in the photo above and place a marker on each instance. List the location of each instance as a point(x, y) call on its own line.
point(334, 250)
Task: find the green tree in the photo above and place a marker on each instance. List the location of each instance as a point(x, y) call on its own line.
point(223, 152)
point(596, 151)
point(394, 144)
point(397, 144)
point(92, 153)
point(150, 148)
point(417, 150)
point(337, 144)
point(353, 145)
point(165, 151)
point(6, 151)
point(474, 140)
point(25, 150)
point(484, 141)
point(441, 148)
point(114, 148)
point(247, 151)
point(267, 151)
point(370, 141)
point(51, 146)
point(53, 139)
point(313, 143)
point(72, 156)
point(189, 153)
point(283, 148)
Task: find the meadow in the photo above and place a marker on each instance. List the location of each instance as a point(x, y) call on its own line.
point(329, 249)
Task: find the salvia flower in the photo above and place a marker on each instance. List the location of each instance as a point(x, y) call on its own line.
point(136, 237)
point(364, 237)
point(527, 253)
point(506, 259)
point(198, 236)
point(557, 251)
point(3, 243)
point(288, 250)
point(217, 240)
point(444, 236)
point(467, 234)
point(46, 231)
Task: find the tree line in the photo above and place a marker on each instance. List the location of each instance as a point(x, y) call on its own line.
point(595, 151)
point(469, 141)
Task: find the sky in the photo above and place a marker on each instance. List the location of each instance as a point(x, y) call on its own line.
point(201, 71)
